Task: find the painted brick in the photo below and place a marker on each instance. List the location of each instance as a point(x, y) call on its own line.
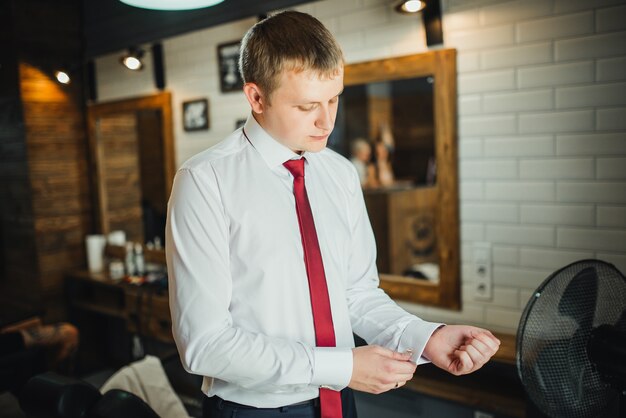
point(524, 297)
point(591, 239)
point(505, 256)
point(592, 95)
point(611, 119)
point(470, 104)
point(394, 34)
point(471, 314)
point(471, 190)
point(486, 81)
point(518, 101)
point(487, 125)
point(507, 318)
point(618, 260)
point(481, 38)
point(555, 75)
point(520, 146)
point(555, 27)
point(571, 168)
point(611, 18)
point(460, 20)
point(611, 216)
point(597, 46)
point(572, 121)
point(333, 8)
point(517, 56)
point(591, 144)
point(470, 148)
point(472, 232)
point(611, 168)
point(592, 192)
point(352, 40)
point(568, 6)
point(352, 20)
point(367, 54)
point(466, 252)
point(611, 69)
point(514, 11)
point(524, 278)
point(557, 215)
point(467, 61)
point(489, 212)
point(488, 169)
point(504, 297)
point(550, 259)
point(520, 235)
point(520, 191)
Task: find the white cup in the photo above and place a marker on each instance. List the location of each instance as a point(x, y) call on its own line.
point(95, 252)
point(117, 238)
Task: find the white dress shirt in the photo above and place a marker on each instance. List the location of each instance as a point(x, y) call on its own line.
point(238, 287)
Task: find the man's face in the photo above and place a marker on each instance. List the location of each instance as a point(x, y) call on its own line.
point(302, 110)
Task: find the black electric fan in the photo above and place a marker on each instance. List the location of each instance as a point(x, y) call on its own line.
point(571, 342)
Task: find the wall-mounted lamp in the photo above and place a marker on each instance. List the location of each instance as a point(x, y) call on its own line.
point(132, 59)
point(410, 6)
point(172, 4)
point(431, 15)
point(62, 77)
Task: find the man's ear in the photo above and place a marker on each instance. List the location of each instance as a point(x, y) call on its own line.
point(255, 97)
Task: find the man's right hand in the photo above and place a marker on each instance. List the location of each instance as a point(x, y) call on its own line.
point(376, 369)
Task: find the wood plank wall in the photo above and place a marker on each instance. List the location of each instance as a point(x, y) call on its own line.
point(53, 188)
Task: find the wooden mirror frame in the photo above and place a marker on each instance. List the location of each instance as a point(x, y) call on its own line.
point(160, 101)
point(440, 64)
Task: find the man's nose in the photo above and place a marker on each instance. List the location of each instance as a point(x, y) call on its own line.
point(324, 119)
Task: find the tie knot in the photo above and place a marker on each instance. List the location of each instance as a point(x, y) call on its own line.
point(296, 167)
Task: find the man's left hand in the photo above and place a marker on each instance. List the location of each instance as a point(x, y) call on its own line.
point(461, 349)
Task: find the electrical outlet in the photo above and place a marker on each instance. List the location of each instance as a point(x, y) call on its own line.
point(480, 414)
point(481, 267)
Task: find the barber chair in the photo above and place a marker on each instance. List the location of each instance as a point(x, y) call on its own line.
point(50, 395)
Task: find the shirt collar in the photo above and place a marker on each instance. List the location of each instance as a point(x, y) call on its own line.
point(273, 152)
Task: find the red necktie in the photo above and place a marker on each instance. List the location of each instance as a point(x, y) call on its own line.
point(330, 400)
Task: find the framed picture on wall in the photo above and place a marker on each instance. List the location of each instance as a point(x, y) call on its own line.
point(196, 115)
point(228, 60)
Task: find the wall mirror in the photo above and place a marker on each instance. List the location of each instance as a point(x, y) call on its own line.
point(132, 156)
point(397, 123)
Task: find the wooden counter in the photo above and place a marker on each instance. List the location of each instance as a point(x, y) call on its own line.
point(495, 388)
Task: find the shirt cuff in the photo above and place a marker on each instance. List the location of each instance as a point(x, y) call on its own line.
point(415, 337)
point(332, 368)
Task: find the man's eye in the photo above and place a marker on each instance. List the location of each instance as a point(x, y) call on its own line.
point(306, 108)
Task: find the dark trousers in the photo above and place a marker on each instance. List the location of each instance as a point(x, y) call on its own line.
point(215, 407)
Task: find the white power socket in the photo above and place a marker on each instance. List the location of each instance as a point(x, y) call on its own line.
point(481, 269)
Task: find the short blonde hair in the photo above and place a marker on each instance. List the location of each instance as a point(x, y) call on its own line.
point(287, 41)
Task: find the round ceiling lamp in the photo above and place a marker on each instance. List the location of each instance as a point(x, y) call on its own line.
point(171, 4)
point(410, 6)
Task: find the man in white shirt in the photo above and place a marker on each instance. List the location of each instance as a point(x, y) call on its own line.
point(241, 282)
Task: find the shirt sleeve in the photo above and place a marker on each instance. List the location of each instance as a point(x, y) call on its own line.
point(200, 292)
point(375, 317)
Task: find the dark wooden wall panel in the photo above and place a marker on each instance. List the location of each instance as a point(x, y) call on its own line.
point(46, 209)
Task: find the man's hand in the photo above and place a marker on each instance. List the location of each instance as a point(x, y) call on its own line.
point(377, 369)
point(461, 349)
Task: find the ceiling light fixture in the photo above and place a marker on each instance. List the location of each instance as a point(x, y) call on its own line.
point(62, 77)
point(171, 4)
point(132, 59)
point(410, 6)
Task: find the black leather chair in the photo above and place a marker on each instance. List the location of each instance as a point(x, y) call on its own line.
point(50, 395)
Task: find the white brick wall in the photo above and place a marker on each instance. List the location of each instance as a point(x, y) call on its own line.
point(542, 126)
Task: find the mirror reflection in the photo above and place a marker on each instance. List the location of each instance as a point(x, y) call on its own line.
point(386, 128)
point(133, 156)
